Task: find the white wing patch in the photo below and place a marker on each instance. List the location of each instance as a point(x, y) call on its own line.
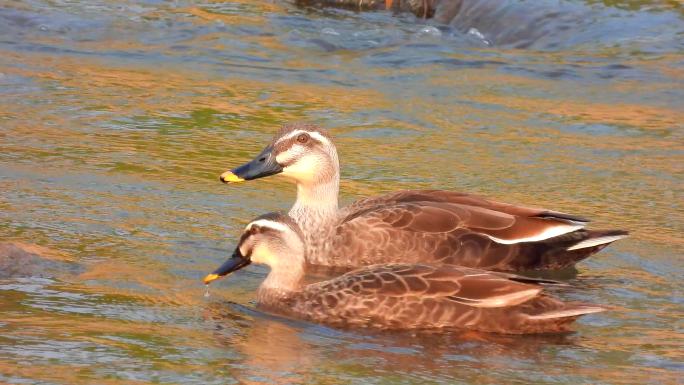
point(510, 299)
point(568, 313)
point(595, 242)
point(549, 232)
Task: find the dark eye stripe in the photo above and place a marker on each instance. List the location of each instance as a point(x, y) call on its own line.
point(287, 144)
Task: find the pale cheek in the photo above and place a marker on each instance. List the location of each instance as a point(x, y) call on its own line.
point(304, 169)
point(288, 156)
point(244, 249)
point(283, 158)
point(262, 255)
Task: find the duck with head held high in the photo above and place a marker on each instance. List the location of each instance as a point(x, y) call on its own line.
point(411, 226)
point(395, 296)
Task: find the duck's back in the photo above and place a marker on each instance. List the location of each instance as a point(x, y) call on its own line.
point(405, 296)
point(437, 226)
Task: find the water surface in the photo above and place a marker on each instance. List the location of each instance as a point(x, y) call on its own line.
point(116, 119)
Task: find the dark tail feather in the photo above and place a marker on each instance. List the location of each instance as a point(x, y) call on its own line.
point(568, 249)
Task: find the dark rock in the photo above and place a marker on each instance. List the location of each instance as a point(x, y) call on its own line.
point(19, 259)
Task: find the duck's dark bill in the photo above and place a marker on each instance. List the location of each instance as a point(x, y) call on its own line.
point(263, 165)
point(234, 263)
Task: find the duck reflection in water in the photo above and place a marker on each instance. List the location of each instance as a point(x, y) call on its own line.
point(275, 349)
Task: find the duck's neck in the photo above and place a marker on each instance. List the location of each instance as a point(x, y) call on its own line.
point(317, 194)
point(315, 211)
point(320, 196)
point(281, 283)
point(316, 203)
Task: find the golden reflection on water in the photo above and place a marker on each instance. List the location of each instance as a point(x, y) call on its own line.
point(270, 347)
point(151, 90)
point(56, 372)
point(642, 116)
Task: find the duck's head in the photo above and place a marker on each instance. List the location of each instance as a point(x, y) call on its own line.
point(300, 151)
point(272, 239)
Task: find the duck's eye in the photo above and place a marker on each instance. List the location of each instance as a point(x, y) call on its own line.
point(303, 138)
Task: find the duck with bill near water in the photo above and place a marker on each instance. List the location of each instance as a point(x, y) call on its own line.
point(434, 226)
point(395, 296)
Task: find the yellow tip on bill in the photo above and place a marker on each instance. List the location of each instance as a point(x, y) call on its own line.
point(210, 278)
point(228, 176)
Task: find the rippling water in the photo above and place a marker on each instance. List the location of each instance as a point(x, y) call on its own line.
point(116, 119)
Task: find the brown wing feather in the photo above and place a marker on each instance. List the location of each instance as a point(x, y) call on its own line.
point(403, 296)
point(471, 287)
point(456, 228)
point(439, 217)
point(407, 196)
point(489, 291)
